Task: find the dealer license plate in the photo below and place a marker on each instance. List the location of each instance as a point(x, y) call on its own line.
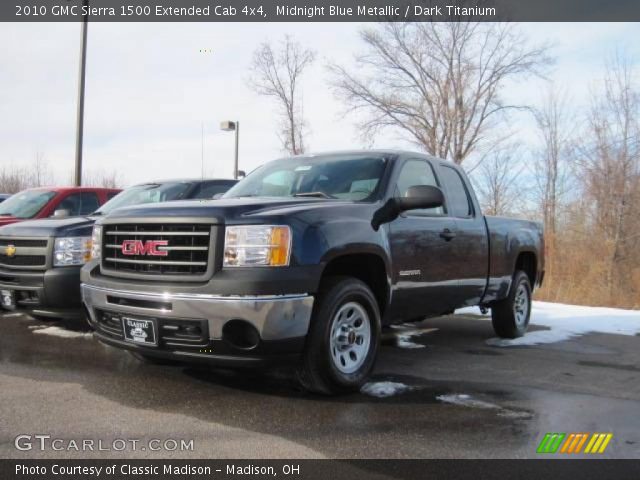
point(139, 331)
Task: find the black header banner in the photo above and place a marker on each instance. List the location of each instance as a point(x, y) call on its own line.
point(319, 10)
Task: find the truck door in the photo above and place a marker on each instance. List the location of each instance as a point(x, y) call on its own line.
point(470, 247)
point(421, 251)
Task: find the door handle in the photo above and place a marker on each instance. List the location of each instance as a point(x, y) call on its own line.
point(447, 234)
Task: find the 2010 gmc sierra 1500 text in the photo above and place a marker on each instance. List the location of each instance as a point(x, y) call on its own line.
point(308, 257)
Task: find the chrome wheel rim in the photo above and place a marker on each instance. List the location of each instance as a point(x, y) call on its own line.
point(521, 305)
point(350, 337)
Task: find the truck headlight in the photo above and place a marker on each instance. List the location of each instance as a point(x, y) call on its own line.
point(71, 251)
point(257, 245)
point(96, 242)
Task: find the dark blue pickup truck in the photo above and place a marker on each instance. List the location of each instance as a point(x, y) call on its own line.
point(307, 258)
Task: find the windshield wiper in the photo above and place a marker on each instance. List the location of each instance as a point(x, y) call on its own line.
point(95, 214)
point(312, 194)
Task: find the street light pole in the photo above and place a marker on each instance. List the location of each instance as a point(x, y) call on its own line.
point(229, 126)
point(81, 82)
point(235, 163)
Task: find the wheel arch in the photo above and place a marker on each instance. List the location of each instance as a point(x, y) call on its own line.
point(367, 264)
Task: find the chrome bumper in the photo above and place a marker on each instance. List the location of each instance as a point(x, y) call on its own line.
point(275, 317)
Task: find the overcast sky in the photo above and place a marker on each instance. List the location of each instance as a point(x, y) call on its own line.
point(149, 90)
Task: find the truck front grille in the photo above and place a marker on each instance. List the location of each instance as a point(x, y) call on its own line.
point(156, 249)
point(30, 253)
point(23, 260)
point(23, 242)
point(109, 323)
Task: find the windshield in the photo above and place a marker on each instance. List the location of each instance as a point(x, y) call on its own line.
point(347, 177)
point(26, 204)
point(147, 193)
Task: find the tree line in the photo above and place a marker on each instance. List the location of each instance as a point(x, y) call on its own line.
point(15, 178)
point(441, 87)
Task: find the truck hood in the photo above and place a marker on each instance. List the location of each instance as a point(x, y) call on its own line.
point(64, 227)
point(229, 210)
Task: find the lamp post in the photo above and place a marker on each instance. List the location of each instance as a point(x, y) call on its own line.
point(229, 126)
point(80, 114)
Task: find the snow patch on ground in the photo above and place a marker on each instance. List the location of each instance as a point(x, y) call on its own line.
point(384, 389)
point(37, 327)
point(568, 321)
point(465, 400)
point(404, 341)
point(8, 315)
point(405, 332)
point(62, 332)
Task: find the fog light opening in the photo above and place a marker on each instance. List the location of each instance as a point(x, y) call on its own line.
point(240, 334)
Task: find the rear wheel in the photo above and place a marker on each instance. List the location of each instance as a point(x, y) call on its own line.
point(343, 338)
point(510, 317)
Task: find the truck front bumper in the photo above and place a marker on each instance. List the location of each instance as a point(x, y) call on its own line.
point(52, 293)
point(214, 328)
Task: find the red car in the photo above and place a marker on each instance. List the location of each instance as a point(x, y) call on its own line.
point(44, 202)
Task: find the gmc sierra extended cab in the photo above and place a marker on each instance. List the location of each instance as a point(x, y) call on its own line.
point(40, 260)
point(308, 258)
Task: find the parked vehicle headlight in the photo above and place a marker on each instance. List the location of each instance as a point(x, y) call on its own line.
point(71, 251)
point(96, 242)
point(257, 245)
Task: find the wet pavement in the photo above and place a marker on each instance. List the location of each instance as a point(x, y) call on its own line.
point(451, 396)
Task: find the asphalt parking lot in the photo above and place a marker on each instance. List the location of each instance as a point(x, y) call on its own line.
point(457, 397)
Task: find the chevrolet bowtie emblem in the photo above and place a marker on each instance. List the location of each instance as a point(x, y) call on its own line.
point(10, 250)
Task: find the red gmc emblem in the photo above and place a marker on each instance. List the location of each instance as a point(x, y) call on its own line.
point(150, 247)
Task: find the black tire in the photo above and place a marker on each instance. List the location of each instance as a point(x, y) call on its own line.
point(506, 317)
point(152, 360)
point(318, 372)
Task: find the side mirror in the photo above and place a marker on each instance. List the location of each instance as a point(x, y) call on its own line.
point(63, 212)
point(418, 196)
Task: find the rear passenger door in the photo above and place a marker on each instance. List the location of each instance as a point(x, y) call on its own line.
point(422, 253)
point(470, 246)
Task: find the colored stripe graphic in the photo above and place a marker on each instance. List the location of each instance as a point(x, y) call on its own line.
point(584, 439)
point(551, 442)
point(598, 443)
point(572, 443)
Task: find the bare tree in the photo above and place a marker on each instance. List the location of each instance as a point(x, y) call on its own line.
point(40, 173)
point(497, 181)
point(14, 178)
point(277, 73)
point(550, 162)
point(611, 163)
point(103, 178)
point(437, 82)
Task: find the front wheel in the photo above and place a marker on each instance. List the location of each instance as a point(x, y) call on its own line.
point(510, 317)
point(343, 338)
